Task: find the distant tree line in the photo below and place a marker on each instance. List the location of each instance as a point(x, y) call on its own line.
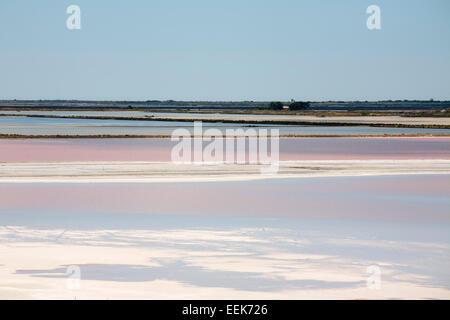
point(276, 105)
point(297, 105)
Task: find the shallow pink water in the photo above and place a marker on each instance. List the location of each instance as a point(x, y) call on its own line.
point(44, 150)
point(391, 198)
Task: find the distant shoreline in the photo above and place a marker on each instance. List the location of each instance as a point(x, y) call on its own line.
point(220, 103)
point(128, 136)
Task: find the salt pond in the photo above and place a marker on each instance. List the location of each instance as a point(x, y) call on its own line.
point(210, 240)
point(67, 126)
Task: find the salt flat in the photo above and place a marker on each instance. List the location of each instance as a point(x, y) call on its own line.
point(244, 263)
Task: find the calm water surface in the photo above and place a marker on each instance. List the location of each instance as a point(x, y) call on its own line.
point(36, 150)
point(61, 126)
point(250, 237)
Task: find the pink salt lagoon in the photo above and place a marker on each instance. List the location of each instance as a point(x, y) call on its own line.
point(49, 150)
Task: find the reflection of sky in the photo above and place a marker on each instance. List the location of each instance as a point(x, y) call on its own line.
point(395, 198)
point(195, 275)
point(254, 254)
point(251, 236)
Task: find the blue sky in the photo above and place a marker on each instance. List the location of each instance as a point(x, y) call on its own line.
point(225, 50)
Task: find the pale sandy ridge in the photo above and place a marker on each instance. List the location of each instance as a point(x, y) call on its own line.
point(301, 118)
point(148, 172)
